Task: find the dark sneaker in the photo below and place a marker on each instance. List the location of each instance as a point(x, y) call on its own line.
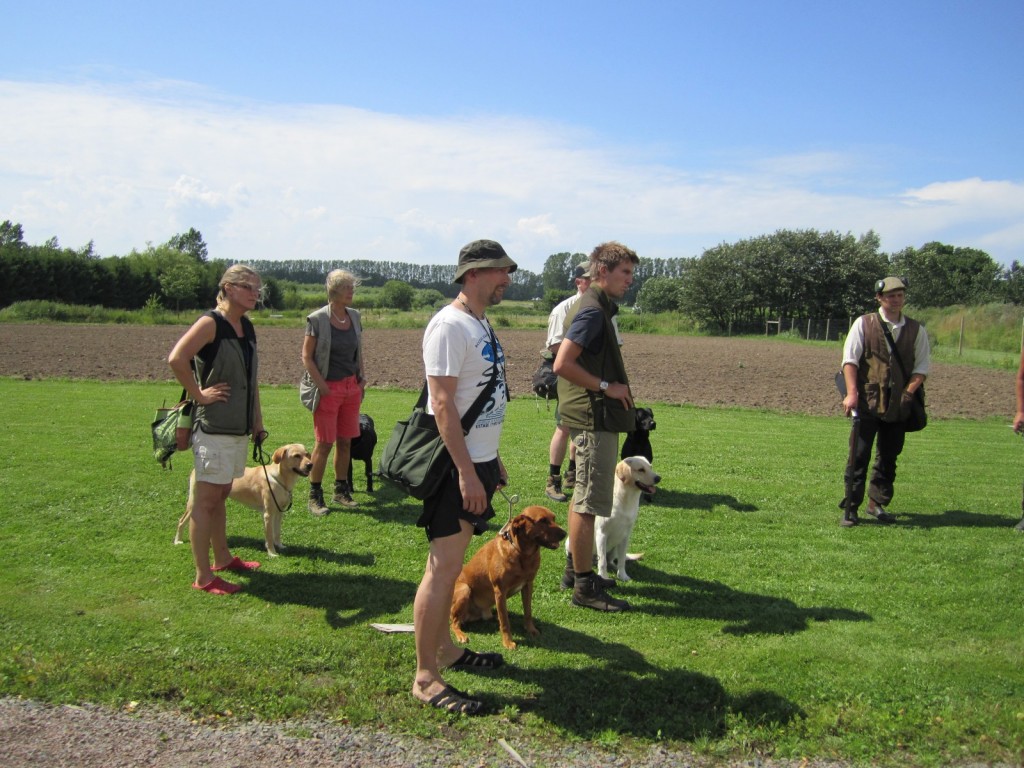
point(589, 594)
point(878, 512)
point(343, 495)
point(316, 504)
point(569, 481)
point(554, 489)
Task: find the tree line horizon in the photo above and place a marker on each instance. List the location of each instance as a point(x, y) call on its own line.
point(802, 274)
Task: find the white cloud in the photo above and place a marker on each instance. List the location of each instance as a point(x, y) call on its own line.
point(124, 167)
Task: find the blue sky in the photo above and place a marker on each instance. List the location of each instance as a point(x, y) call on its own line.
point(399, 131)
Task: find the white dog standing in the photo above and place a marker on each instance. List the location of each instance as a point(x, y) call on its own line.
point(268, 490)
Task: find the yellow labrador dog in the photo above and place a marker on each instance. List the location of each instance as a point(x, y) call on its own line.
point(271, 499)
point(634, 475)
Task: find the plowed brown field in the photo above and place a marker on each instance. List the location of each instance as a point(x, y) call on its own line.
point(772, 374)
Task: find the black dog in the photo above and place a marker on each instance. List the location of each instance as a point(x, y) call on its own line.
point(362, 450)
point(638, 442)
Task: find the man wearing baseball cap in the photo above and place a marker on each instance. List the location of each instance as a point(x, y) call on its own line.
point(878, 396)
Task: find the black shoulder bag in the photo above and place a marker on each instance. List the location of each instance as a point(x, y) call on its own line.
point(415, 457)
point(918, 416)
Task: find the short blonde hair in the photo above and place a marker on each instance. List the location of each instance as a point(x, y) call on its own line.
point(236, 273)
point(340, 278)
point(609, 255)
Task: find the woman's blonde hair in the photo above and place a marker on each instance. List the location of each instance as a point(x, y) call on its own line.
point(236, 273)
point(340, 278)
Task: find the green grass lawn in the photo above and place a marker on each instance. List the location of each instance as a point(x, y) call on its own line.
point(759, 625)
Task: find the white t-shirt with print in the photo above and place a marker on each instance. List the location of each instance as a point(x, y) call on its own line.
point(457, 344)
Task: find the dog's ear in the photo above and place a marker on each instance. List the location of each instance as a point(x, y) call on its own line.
point(279, 454)
point(520, 523)
point(623, 470)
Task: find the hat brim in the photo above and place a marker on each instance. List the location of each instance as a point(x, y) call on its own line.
point(498, 263)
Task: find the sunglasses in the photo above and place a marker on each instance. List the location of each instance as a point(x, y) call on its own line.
point(257, 289)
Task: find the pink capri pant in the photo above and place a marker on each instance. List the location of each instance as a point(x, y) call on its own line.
point(338, 412)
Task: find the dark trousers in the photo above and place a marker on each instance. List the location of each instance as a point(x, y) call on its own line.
point(864, 432)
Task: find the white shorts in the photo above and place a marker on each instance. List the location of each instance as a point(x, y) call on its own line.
point(219, 459)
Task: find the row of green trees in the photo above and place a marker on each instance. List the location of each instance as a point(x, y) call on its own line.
point(801, 274)
point(805, 275)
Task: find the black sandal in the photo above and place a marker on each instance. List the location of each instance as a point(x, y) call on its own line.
point(473, 660)
point(453, 700)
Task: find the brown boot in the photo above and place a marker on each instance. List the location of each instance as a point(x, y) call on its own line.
point(554, 489)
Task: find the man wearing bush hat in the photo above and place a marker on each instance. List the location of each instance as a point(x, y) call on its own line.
point(463, 361)
point(878, 395)
point(482, 254)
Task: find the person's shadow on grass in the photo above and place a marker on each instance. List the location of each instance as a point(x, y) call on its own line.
point(613, 691)
point(683, 500)
point(954, 518)
point(345, 598)
point(299, 550)
point(743, 612)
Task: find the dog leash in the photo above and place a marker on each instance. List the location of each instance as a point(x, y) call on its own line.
point(261, 457)
point(513, 499)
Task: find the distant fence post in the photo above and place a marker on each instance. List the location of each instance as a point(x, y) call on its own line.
point(808, 336)
point(828, 323)
point(960, 343)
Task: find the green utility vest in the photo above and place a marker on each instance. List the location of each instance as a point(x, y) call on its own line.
point(223, 360)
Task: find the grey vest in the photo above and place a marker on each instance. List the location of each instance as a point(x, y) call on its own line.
point(309, 395)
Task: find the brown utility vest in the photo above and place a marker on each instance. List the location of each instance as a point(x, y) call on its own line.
point(880, 381)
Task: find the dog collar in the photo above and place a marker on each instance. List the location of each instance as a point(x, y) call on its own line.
point(506, 534)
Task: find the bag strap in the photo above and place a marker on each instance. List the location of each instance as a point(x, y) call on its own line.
point(892, 349)
point(470, 417)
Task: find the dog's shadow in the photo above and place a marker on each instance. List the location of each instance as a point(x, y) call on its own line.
point(612, 691)
point(743, 613)
point(701, 501)
point(954, 518)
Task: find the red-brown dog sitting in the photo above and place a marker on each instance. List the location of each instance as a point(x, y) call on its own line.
point(505, 565)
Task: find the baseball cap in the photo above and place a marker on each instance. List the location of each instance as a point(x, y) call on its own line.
point(582, 270)
point(482, 254)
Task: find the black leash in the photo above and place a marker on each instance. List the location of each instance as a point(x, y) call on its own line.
point(259, 455)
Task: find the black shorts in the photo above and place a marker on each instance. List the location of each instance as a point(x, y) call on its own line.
point(443, 511)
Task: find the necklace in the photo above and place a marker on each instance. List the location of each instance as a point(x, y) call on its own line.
point(488, 331)
point(463, 303)
point(341, 320)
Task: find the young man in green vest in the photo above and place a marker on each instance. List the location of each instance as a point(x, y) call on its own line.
point(596, 404)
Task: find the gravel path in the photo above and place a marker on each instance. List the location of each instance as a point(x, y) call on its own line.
point(36, 735)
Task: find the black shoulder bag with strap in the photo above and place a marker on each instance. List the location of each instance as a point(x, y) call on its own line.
point(415, 457)
point(918, 416)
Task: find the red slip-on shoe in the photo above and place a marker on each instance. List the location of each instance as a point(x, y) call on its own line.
point(219, 587)
point(239, 565)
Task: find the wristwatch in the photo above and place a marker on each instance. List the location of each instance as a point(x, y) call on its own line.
point(603, 386)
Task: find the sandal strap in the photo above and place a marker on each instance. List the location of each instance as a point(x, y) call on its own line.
point(452, 700)
point(472, 659)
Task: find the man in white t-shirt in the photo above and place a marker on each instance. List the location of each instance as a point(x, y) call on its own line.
point(560, 438)
point(462, 357)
